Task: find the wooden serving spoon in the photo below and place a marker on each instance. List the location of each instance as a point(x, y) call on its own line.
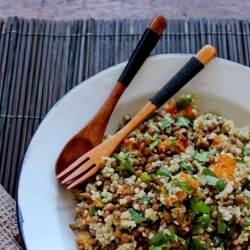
point(92, 134)
point(87, 165)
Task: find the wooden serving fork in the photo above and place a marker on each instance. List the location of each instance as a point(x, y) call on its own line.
point(88, 164)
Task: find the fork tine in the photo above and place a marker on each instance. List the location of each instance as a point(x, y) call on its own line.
point(85, 166)
point(83, 178)
point(72, 166)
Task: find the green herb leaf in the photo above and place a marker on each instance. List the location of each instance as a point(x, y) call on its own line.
point(164, 171)
point(143, 199)
point(93, 209)
point(213, 180)
point(146, 177)
point(183, 102)
point(245, 151)
point(201, 157)
point(228, 233)
point(186, 167)
point(245, 226)
point(117, 157)
point(173, 237)
point(154, 143)
point(172, 143)
point(202, 222)
point(240, 161)
point(160, 239)
point(126, 165)
point(196, 245)
point(136, 217)
point(199, 206)
point(221, 225)
point(165, 124)
point(155, 248)
point(151, 117)
point(183, 122)
point(183, 185)
point(100, 199)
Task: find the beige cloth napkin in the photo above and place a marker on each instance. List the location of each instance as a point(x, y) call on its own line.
point(9, 233)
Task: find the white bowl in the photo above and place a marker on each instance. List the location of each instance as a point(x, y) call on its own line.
point(45, 208)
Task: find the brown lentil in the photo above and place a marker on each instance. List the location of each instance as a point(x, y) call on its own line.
point(180, 217)
point(147, 140)
point(214, 214)
point(125, 238)
point(235, 236)
point(147, 151)
point(141, 229)
point(239, 199)
point(151, 131)
point(156, 207)
point(142, 147)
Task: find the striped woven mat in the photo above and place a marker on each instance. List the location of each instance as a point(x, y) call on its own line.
point(41, 60)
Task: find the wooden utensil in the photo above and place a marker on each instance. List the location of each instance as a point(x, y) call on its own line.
point(92, 134)
point(89, 163)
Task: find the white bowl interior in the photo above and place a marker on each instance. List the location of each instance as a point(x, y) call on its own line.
point(45, 207)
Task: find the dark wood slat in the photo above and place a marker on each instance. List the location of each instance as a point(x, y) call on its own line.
point(43, 78)
point(18, 109)
point(47, 95)
point(7, 75)
point(11, 105)
point(246, 39)
point(82, 52)
point(57, 61)
point(239, 41)
point(192, 36)
point(65, 63)
point(224, 47)
point(72, 57)
point(25, 98)
point(34, 76)
point(202, 31)
point(1, 38)
point(77, 54)
point(187, 37)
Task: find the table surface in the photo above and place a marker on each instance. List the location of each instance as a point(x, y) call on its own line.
point(112, 9)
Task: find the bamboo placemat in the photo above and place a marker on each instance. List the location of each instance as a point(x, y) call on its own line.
point(41, 60)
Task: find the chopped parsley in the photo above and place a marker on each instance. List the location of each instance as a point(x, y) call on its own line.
point(245, 151)
point(184, 102)
point(93, 209)
point(186, 167)
point(240, 161)
point(199, 206)
point(164, 124)
point(154, 143)
point(164, 171)
point(127, 166)
point(183, 185)
point(201, 157)
point(160, 240)
point(221, 225)
point(203, 221)
point(213, 180)
point(183, 122)
point(136, 217)
point(197, 245)
point(172, 143)
point(143, 199)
